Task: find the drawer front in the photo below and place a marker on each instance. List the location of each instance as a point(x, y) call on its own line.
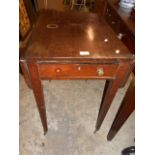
point(77, 71)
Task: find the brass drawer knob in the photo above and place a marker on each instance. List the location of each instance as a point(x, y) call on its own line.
point(100, 71)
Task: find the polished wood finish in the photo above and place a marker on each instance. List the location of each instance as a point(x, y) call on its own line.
point(99, 6)
point(126, 17)
point(38, 92)
point(111, 89)
point(75, 32)
point(55, 53)
point(75, 71)
point(25, 72)
point(122, 22)
point(125, 110)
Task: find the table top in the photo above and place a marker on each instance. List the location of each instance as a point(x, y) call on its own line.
point(74, 35)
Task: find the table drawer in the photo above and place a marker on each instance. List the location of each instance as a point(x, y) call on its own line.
point(77, 71)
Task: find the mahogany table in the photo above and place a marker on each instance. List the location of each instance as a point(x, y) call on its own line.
point(71, 45)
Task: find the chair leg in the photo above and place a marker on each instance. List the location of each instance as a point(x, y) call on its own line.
point(84, 3)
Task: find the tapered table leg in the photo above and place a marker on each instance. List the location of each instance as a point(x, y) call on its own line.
point(38, 93)
point(111, 89)
point(106, 102)
point(104, 93)
point(103, 97)
point(25, 72)
point(126, 108)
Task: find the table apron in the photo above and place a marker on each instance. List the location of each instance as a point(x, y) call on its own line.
point(77, 71)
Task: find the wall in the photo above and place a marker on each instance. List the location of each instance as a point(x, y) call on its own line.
point(50, 4)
